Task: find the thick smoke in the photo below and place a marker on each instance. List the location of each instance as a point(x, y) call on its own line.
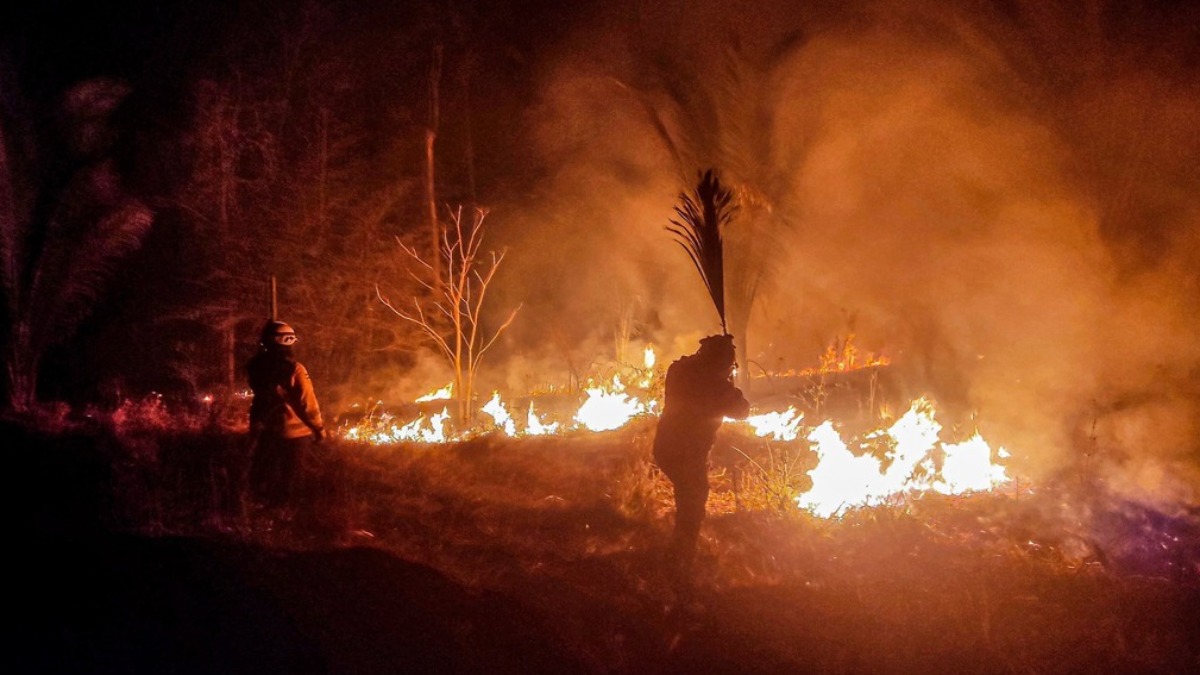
point(1004, 201)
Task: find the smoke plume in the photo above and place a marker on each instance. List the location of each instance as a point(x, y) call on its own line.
point(1003, 200)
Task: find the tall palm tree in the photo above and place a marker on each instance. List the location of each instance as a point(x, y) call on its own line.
point(61, 239)
point(722, 118)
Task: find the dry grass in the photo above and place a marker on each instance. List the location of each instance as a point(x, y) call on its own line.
point(1067, 580)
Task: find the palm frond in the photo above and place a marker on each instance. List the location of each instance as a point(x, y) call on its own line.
point(701, 217)
point(70, 278)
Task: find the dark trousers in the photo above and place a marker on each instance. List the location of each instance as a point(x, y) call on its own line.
point(275, 470)
point(690, 481)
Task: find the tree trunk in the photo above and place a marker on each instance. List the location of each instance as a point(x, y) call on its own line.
point(467, 71)
point(230, 348)
point(431, 132)
point(22, 366)
point(741, 335)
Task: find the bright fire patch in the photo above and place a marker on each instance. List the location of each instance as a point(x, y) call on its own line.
point(907, 457)
point(443, 394)
point(608, 409)
point(843, 480)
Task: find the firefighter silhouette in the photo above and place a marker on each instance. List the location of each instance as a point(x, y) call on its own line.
point(285, 419)
point(699, 394)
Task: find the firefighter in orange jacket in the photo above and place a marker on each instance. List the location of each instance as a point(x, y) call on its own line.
point(699, 395)
point(285, 418)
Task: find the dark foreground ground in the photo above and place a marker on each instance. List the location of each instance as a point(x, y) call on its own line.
point(171, 605)
point(523, 557)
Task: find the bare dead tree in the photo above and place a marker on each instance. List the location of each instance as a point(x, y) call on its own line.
point(451, 316)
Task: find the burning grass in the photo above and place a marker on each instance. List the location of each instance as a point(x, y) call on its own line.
point(1067, 577)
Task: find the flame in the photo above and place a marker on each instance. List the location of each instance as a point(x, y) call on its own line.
point(839, 357)
point(500, 416)
point(781, 426)
point(607, 410)
point(968, 466)
point(845, 357)
point(646, 374)
point(432, 430)
point(535, 427)
point(905, 458)
point(443, 394)
point(842, 480)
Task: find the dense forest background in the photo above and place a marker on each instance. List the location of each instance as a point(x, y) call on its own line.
point(281, 139)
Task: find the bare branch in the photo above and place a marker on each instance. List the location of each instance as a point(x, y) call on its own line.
point(507, 322)
point(457, 299)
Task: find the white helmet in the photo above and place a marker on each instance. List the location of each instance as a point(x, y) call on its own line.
point(279, 333)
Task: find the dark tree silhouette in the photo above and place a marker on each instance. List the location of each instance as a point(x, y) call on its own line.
point(66, 222)
point(284, 182)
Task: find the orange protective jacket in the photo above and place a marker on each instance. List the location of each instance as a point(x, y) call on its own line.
point(284, 404)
